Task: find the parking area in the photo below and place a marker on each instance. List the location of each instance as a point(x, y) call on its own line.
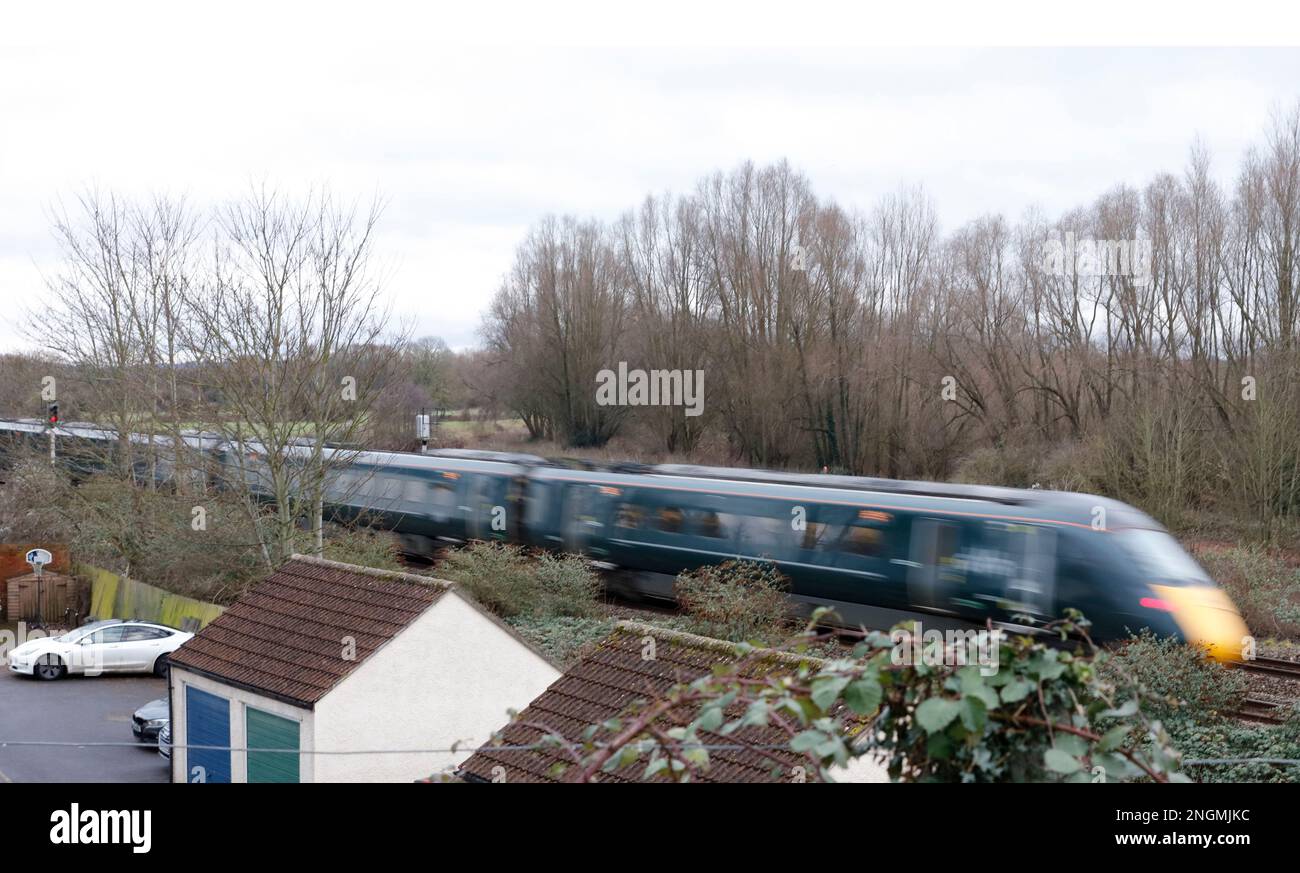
point(76, 709)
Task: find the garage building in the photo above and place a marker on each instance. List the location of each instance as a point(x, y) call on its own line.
point(330, 672)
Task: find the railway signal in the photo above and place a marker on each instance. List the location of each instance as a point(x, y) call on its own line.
point(422, 431)
point(53, 421)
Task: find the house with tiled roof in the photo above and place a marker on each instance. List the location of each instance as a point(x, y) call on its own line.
point(330, 672)
point(640, 662)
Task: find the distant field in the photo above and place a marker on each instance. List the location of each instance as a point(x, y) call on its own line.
point(469, 426)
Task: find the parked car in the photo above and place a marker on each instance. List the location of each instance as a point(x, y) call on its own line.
point(112, 646)
point(150, 719)
point(165, 741)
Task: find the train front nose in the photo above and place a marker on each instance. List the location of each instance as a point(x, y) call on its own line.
point(1207, 618)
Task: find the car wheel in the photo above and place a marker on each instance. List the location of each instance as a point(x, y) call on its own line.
point(160, 666)
point(49, 668)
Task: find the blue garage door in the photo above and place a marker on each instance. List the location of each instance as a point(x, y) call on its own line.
point(207, 723)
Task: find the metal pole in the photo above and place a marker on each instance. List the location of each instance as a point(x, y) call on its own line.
point(38, 623)
point(51, 445)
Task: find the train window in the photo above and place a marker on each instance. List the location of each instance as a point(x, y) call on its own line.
point(669, 519)
point(816, 535)
point(387, 490)
point(442, 499)
point(945, 553)
point(868, 542)
point(710, 525)
point(1159, 556)
point(629, 516)
point(763, 534)
point(934, 568)
point(1032, 584)
point(341, 487)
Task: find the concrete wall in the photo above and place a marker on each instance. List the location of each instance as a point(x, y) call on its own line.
point(180, 678)
point(450, 677)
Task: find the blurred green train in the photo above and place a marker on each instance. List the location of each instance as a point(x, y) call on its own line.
point(874, 550)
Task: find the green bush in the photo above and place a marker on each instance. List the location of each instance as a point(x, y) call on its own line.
point(362, 546)
point(1182, 682)
point(740, 601)
point(1225, 739)
point(510, 582)
point(564, 638)
point(1194, 698)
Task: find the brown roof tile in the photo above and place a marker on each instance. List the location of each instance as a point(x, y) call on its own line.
point(285, 637)
point(603, 684)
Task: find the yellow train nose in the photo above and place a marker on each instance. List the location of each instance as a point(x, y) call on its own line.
point(1207, 618)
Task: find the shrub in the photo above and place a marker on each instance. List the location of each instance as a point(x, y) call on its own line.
point(1182, 682)
point(148, 534)
point(738, 601)
point(564, 638)
point(1194, 697)
point(509, 582)
point(1073, 466)
point(1013, 465)
point(362, 546)
point(1226, 739)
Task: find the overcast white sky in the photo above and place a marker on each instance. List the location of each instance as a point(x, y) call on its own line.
point(470, 145)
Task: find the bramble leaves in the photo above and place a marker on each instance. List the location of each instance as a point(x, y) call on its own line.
point(1026, 712)
point(936, 713)
point(1061, 761)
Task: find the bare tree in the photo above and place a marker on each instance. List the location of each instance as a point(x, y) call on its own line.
point(295, 338)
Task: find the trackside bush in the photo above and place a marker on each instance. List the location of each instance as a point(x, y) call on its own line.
point(564, 638)
point(740, 601)
point(509, 581)
point(1180, 680)
point(1194, 699)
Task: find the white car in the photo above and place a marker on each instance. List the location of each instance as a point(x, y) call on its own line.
point(112, 646)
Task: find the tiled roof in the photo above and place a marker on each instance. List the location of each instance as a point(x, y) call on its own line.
point(614, 675)
point(286, 637)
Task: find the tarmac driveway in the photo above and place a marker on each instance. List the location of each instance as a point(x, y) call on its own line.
point(76, 709)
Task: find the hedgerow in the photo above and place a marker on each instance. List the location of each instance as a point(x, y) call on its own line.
point(510, 582)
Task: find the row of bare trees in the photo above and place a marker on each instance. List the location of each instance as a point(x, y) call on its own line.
point(260, 321)
point(1153, 335)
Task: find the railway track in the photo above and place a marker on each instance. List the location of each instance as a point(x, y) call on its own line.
point(1263, 710)
point(1257, 709)
point(1272, 667)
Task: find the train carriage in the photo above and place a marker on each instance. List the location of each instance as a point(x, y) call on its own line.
point(874, 550)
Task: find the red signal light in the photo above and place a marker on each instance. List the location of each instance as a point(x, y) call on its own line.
point(1156, 603)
